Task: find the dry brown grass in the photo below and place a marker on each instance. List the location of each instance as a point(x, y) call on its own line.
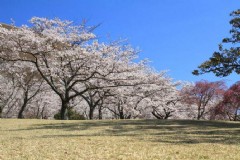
point(119, 139)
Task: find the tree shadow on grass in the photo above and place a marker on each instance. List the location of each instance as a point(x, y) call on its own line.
point(162, 131)
point(194, 132)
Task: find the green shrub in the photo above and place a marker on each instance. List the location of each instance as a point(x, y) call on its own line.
point(72, 115)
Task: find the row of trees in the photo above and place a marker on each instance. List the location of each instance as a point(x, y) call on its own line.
point(26, 97)
point(56, 65)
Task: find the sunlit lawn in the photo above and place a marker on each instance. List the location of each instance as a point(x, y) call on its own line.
point(119, 139)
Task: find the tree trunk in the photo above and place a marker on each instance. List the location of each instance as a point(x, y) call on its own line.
point(121, 115)
point(167, 115)
point(120, 111)
point(235, 115)
point(64, 110)
point(199, 113)
point(91, 112)
point(128, 117)
point(157, 115)
point(0, 112)
point(100, 112)
point(198, 117)
point(20, 113)
point(42, 113)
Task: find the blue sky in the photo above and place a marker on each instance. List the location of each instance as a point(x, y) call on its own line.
point(175, 35)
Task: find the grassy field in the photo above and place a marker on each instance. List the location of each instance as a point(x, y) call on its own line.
point(119, 139)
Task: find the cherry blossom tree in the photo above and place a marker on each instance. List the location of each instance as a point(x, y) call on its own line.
point(157, 96)
point(161, 97)
point(95, 100)
point(44, 105)
point(8, 94)
point(67, 57)
point(25, 80)
point(29, 81)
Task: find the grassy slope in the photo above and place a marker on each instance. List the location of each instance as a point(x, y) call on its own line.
point(128, 139)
